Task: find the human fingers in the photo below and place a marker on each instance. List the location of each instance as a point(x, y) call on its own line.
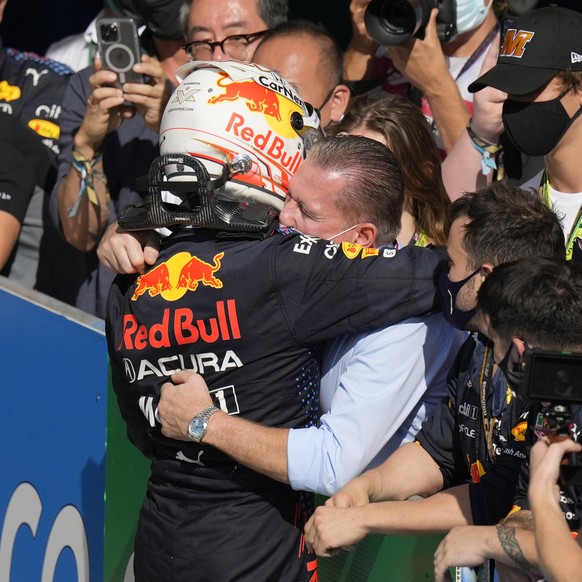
point(121, 251)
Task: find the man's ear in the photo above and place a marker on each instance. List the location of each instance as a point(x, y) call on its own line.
point(339, 102)
point(366, 234)
point(487, 269)
point(519, 344)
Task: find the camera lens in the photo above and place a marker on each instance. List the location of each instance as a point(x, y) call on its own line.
point(109, 32)
point(399, 14)
point(391, 22)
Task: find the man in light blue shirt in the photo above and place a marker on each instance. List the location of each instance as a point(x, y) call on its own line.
point(385, 382)
point(376, 390)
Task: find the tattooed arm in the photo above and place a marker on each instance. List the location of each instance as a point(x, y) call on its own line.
point(511, 544)
point(517, 546)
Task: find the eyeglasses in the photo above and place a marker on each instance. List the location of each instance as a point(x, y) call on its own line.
point(234, 47)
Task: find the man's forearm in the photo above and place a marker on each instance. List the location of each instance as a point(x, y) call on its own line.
point(449, 111)
point(409, 470)
point(82, 201)
point(515, 543)
point(438, 513)
point(10, 227)
point(358, 60)
point(261, 448)
point(560, 556)
point(461, 169)
point(84, 229)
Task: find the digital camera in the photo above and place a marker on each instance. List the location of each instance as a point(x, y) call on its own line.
point(391, 22)
point(553, 379)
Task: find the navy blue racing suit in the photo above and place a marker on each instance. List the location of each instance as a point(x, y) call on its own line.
point(249, 315)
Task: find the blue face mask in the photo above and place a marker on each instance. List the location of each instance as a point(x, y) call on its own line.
point(471, 14)
point(448, 292)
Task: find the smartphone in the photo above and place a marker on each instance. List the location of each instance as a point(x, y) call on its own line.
point(119, 49)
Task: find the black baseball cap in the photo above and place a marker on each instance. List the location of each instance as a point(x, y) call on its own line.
point(538, 45)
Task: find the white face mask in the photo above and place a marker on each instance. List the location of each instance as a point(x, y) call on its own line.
point(344, 231)
point(471, 14)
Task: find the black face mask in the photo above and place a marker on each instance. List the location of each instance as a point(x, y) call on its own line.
point(536, 128)
point(448, 292)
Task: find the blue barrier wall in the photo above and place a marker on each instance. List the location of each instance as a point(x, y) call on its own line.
point(53, 381)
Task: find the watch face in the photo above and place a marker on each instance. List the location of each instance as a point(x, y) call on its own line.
point(196, 429)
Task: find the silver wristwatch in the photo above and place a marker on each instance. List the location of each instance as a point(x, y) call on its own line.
point(197, 426)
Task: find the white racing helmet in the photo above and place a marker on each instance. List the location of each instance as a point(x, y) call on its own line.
point(231, 137)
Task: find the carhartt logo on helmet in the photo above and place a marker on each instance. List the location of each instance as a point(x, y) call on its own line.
point(515, 42)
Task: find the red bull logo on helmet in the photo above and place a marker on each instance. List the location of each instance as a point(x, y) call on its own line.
point(257, 97)
point(181, 273)
point(261, 93)
point(269, 96)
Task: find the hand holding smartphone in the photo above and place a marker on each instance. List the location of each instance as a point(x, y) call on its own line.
point(119, 48)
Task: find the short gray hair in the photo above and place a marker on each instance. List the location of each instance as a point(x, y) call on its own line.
point(273, 12)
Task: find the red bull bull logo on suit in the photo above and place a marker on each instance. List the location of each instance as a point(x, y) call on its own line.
point(179, 274)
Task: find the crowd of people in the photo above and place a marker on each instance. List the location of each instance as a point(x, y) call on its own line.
point(343, 273)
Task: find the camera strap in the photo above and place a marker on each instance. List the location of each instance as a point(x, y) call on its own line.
point(478, 51)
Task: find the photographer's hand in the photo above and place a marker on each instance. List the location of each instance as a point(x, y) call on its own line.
point(424, 64)
point(105, 110)
point(545, 462)
point(560, 557)
point(150, 98)
point(360, 53)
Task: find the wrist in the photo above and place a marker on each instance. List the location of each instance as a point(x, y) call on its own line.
point(542, 497)
point(363, 45)
point(489, 153)
point(481, 134)
point(85, 147)
point(440, 85)
point(367, 519)
point(373, 486)
point(198, 427)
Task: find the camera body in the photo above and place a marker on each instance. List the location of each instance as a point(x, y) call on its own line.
point(553, 379)
point(392, 22)
point(119, 48)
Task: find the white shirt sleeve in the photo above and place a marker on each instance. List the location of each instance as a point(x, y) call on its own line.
point(377, 403)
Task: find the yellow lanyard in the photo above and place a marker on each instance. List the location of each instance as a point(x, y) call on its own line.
point(485, 378)
point(576, 231)
point(422, 240)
